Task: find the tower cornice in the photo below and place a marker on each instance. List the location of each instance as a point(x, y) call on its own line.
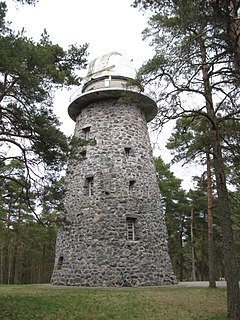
point(145, 102)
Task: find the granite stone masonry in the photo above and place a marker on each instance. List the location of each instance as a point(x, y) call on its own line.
point(113, 220)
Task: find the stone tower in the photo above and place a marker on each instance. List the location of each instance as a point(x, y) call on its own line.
point(113, 219)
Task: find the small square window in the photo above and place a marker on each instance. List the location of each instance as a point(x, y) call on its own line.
point(86, 133)
point(84, 154)
point(60, 263)
point(127, 151)
point(131, 185)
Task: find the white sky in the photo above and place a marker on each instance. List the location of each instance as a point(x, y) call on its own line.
point(107, 25)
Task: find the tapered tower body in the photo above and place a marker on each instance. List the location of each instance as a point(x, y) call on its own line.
point(113, 219)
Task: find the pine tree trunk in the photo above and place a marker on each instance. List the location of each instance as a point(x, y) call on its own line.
point(193, 247)
point(203, 248)
point(224, 214)
point(5, 254)
point(43, 263)
point(181, 257)
point(212, 282)
point(234, 33)
point(224, 210)
point(14, 264)
point(17, 263)
point(3, 262)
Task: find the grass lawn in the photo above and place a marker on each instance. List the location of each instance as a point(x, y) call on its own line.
point(26, 302)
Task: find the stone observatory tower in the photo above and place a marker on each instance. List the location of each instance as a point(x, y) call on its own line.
point(113, 220)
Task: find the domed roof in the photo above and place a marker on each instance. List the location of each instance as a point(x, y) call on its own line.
point(111, 64)
point(108, 77)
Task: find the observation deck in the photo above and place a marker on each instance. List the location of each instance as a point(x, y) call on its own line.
point(110, 76)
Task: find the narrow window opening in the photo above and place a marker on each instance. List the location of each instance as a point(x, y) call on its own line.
point(86, 133)
point(131, 229)
point(60, 263)
point(131, 185)
point(84, 154)
point(89, 186)
point(127, 151)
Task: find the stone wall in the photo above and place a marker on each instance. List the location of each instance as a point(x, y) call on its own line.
point(111, 180)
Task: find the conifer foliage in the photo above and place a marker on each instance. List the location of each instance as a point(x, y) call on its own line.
point(196, 68)
point(33, 150)
point(29, 129)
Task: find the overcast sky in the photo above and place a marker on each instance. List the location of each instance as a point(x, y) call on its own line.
point(107, 25)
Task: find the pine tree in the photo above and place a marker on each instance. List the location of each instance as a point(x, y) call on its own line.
point(190, 143)
point(177, 215)
point(29, 130)
point(195, 67)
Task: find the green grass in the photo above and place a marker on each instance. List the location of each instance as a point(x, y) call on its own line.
point(35, 302)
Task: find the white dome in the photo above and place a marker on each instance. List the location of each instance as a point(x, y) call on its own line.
point(111, 64)
point(108, 77)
